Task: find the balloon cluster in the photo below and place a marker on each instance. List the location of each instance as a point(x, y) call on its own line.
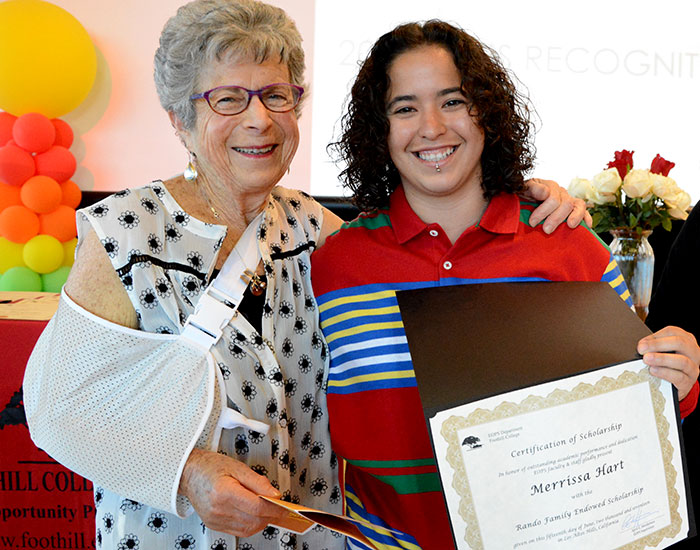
point(37, 202)
point(47, 68)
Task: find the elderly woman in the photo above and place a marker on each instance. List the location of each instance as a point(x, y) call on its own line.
point(185, 367)
point(452, 148)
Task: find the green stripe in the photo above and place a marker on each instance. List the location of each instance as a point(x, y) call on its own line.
point(393, 463)
point(373, 222)
point(412, 484)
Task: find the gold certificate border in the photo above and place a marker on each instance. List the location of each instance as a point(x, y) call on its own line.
point(506, 409)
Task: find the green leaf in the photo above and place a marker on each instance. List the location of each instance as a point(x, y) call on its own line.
point(666, 223)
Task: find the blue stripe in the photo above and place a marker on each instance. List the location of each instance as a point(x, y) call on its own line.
point(373, 385)
point(369, 289)
point(375, 520)
point(450, 281)
point(352, 306)
point(362, 320)
point(447, 281)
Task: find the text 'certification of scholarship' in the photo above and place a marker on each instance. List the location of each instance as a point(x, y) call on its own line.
point(590, 461)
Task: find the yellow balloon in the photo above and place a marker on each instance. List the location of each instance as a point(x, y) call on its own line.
point(47, 60)
point(69, 252)
point(10, 255)
point(43, 253)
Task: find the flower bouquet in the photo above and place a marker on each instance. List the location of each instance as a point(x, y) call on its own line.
point(623, 197)
point(630, 203)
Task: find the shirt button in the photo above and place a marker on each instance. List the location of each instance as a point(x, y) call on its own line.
point(447, 265)
point(433, 233)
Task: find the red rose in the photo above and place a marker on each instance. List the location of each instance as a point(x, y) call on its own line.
point(661, 166)
point(623, 162)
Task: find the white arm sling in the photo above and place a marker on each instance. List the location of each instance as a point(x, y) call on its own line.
point(110, 402)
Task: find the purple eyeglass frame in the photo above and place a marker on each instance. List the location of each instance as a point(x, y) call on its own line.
point(251, 93)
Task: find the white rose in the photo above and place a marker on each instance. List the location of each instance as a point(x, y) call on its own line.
point(637, 184)
point(581, 188)
point(678, 205)
point(607, 182)
point(663, 186)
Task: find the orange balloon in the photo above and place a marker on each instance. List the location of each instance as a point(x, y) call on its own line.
point(41, 194)
point(72, 195)
point(60, 223)
point(16, 165)
point(64, 133)
point(18, 224)
point(6, 122)
point(57, 163)
point(34, 132)
point(9, 195)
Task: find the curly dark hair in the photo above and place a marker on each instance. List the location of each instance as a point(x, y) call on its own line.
point(502, 113)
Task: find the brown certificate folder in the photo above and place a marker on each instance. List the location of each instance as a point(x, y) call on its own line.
point(499, 337)
point(468, 342)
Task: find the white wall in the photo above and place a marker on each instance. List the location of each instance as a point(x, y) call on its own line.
point(603, 76)
point(123, 136)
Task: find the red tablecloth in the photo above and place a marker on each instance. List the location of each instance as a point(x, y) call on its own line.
point(42, 504)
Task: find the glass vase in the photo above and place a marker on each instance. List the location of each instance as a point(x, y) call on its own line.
point(635, 257)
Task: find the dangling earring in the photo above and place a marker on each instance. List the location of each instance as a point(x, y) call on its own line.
point(190, 173)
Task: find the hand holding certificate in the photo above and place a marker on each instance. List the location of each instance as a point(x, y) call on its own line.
point(540, 447)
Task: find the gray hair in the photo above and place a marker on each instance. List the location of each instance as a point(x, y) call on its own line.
point(206, 30)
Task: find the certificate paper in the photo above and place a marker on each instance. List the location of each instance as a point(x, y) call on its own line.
point(589, 461)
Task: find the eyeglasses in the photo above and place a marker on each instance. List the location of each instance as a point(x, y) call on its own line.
point(232, 100)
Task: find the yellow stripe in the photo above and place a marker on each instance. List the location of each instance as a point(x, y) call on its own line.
point(625, 294)
point(358, 298)
point(612, 265)
point(362, 328)
point(382, 531)
point(358, 313)
point(371, 378)
point(618, 281)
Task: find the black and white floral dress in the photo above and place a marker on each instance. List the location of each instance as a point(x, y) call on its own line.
point(165, 258)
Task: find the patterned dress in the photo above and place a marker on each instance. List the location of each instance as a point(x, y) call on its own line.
point(165, 258)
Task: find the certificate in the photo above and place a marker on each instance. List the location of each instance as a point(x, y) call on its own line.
point(548, 430)
point(592, 461)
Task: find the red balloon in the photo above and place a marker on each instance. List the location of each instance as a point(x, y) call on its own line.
point(57, 163)
point(9, 196)
point(60, 223)
point(18, 224)
point(71, 194)
point(6, 122)
point(34, 132)
point(41, 194)
point(16, 165)
point(64, 133)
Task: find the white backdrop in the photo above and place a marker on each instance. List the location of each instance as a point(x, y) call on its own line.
point(602, 75)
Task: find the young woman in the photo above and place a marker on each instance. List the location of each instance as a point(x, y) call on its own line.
point(436, 141)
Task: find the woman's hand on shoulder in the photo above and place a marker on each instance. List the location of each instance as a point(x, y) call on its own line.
point(672, 354)
point(225, 493)
point(557, 205)
point(93, 284)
